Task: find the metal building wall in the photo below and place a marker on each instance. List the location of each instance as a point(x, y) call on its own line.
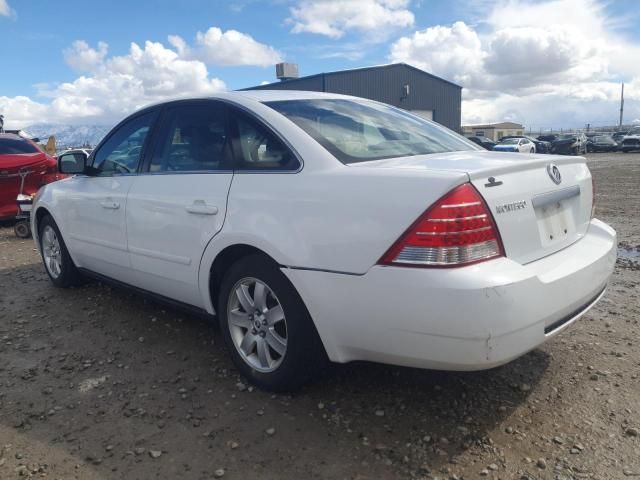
point(386, 84)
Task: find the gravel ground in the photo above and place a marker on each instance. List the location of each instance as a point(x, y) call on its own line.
point(96, 383)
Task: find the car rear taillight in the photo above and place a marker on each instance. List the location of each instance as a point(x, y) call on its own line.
point(457, 230)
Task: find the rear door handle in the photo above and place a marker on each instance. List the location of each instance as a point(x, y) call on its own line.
point(199, 207)
point(110, 204)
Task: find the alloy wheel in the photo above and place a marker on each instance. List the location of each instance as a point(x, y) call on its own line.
point(51, 251)
point(257, 324)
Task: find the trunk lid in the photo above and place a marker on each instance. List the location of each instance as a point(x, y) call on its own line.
point(535, 215)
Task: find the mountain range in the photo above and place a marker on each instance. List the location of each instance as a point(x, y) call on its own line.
point(68, 135)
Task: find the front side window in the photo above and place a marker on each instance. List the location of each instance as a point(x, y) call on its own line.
point(193, 138)
point(121, 153)
point(360, 131)
point(258, 148)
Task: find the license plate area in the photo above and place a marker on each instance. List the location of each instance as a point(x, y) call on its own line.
point(556, 221)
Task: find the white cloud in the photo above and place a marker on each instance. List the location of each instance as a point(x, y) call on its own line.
point(216, 47)
point(452, 52)
point(110, 87)
point(21, 111)
point(5, 9)
point(114, 87)
point(334, 18)
point(558, 62)
point(82, 58)
point(123, 83)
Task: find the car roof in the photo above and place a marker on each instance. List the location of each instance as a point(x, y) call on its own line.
point(261, 96)
point(278, 95)
point(11, 136)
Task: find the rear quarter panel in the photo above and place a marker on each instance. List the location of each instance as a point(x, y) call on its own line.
point(341, 219)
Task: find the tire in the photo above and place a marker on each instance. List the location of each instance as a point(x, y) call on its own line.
point(531, 151)
point(273, 366)
point(22, 229)
point(64, 274)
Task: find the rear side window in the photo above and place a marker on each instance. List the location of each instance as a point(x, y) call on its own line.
point(258, 148)
point(16, 146)
point(360, 131)
point(193, 138)
point(121, 153)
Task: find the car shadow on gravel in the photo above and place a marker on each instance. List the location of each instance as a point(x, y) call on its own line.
point(105, 373)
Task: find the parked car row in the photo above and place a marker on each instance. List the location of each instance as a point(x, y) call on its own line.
point(515, 143)
point(564, 144)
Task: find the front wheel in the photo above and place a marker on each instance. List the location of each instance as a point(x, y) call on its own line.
point(266, 326)
point(56, 258)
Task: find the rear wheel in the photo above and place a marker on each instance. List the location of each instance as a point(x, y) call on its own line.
point(268, 330)
point(56, 258)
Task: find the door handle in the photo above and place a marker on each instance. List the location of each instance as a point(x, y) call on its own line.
point(110, 204)
point(199, 207)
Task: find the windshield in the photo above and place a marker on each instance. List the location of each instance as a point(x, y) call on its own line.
point(360, 131)
point(13, 146)
point(603, 139)
point(566, 137)
point(510, 141)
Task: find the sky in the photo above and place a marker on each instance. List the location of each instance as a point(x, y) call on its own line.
point(553, 63)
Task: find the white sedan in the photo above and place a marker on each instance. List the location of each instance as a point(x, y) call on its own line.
point(320, 226)
point(515, 144)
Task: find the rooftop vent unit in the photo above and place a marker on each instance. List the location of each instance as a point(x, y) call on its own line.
point(286, 71)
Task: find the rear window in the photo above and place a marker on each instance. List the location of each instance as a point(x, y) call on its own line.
point(13, 146)
point(360, 131)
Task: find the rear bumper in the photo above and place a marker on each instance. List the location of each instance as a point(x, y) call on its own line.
point(469, 318)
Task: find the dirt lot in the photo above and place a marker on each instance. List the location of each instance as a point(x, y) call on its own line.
point(96, 383)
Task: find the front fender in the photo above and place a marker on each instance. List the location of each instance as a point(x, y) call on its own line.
point(45, 200)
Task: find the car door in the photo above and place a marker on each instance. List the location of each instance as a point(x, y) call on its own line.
point(94, 205)
point(178, 204)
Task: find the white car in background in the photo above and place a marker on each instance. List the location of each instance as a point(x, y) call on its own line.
point(318, 225)
point(521, 145)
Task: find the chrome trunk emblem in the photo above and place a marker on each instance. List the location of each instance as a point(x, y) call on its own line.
point(554, 173)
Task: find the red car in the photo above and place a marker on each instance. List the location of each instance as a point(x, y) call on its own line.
point(21, 158)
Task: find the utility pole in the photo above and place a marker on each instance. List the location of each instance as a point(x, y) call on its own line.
point(621, 106)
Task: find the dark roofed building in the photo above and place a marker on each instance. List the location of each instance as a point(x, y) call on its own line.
point(396, 84)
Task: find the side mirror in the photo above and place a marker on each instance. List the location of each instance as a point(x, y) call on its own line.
point(72, 163)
